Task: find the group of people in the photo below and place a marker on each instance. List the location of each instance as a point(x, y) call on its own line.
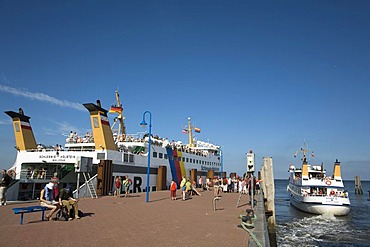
point(235, 184)
point(217, 185)
point(52, 198)
point(187, 188)
point(118, 183)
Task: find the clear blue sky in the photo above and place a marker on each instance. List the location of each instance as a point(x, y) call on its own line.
point(261, 76)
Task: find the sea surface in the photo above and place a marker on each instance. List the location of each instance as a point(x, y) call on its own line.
point(297, 228)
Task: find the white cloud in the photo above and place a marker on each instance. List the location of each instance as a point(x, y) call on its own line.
point(41, 97)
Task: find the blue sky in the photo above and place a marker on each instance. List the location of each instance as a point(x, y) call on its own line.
point(252, 75)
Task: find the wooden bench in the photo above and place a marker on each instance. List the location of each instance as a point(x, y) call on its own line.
point(30, 209)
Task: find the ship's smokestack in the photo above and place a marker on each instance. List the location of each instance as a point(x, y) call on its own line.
point(98, 103)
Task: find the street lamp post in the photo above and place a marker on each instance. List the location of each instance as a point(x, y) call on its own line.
point(143, 123)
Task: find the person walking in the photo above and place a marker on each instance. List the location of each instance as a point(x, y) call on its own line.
point(201, 183)
point(183, 188)
point(126, 183)
point(173, 189)
point(5, 181)
point(117, 191)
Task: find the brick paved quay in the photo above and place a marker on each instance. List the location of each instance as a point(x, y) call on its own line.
point(109, 221)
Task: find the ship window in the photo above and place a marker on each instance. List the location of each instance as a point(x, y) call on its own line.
point(187, 159)
point(191, 160)
point(183, 159)
point(96, 122)
point(16, 126)
point(160, 155)
point(125, 158)
point(100, 156)
point(165, 156)
point(179, 158)
point(155, 154)
point(131, 158)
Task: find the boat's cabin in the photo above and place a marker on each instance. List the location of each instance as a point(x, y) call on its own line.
point(323, 191)
point(314, 172)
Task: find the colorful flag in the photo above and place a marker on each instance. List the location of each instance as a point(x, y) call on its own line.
point(312, 154)
point(197, 130)
point(185, 131)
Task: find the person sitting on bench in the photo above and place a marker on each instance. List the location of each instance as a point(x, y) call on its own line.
point(66, 199)
point(47, 199)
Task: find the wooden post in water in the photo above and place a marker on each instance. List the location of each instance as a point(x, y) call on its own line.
point(358, 187)
point(268, 186)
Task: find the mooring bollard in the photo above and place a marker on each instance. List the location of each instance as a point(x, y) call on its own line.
point(214, 202)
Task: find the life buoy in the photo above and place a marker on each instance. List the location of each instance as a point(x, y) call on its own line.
point(328, 182)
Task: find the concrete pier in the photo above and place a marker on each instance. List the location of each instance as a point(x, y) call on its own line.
point(110, 221)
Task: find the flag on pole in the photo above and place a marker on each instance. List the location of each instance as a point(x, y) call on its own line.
point(197, 130)
point(185, 131)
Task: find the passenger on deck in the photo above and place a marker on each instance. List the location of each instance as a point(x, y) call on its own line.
point(47, 199)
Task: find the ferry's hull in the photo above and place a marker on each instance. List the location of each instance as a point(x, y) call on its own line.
point(134, 166)
point(315, 208)
point(321, 205)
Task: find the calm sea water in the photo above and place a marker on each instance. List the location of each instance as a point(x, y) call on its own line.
point(297, 228)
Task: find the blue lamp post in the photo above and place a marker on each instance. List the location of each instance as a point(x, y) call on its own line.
point(143, 123)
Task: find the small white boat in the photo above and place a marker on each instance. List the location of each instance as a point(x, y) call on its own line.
point(313, 191)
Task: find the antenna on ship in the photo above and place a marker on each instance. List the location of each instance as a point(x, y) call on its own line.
point(189, 131)
point(117, 109)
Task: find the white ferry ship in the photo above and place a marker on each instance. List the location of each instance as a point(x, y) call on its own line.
point(106, 153)
point(312, 191)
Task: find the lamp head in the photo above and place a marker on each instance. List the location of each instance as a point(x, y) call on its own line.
point(143, 123)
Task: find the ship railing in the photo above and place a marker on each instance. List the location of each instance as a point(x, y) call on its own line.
point(43, 173)
point(324, 195)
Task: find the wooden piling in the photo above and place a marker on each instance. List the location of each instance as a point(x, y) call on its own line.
point(268, 187)
point(358, 187)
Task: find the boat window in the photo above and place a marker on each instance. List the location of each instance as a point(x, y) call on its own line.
point(100, 156)
point(125, 157)
point(191, 160)
point(187, 159)
point(131, 158)
point(165, 156)
point(183, 159)
point(96, 122)
point(160, 155)
point(155, 154)
point(16, 126)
